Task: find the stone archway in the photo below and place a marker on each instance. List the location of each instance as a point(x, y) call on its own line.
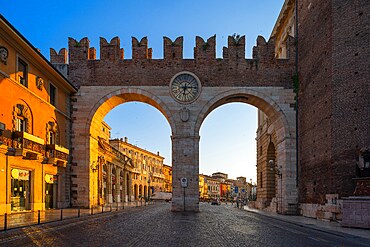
point(283, 121)
point(90, 112)
point(275, 102)
point(263, 81)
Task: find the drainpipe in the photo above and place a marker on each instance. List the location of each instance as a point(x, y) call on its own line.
point(7, 182)
point(297, 105)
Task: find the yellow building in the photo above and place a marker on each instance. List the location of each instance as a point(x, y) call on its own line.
point(148, 176)
point(284, 27)
point(214, 187)
point(112, 173)
point(203, 187)
point(167, 171)
point(34, 127)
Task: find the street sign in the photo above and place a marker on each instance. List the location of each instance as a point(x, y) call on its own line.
point(184, 182)
point(236, 189)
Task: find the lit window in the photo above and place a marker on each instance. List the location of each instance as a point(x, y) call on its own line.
point(21, 124)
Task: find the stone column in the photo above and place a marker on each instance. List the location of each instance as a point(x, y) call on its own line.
point(118, 185)
point(185, 153)
point(126, 189)
point(287, 188)
point(109, 183)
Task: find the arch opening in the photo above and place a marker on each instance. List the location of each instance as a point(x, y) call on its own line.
point(135, 161)
point(276, 185)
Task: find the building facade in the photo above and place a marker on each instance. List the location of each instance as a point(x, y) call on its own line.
point(113, 172)
point(148, 176)
point(203, 187)
point(34, 127)
point(167, 182)
point(269, 176)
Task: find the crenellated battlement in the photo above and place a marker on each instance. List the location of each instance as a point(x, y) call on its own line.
point(205, 50)
point(172, 50)
point(60, 57)
point(140, 49)
point(235, 49)
point(112, 68)
point(111, 50)
point(78, 50)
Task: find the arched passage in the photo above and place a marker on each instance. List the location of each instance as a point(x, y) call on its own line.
point(283, 127)
point(88, 127)
point(185, 121)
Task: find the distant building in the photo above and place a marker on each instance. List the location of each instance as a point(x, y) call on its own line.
point(148, 176)
point(167, 171)
point(112, 173)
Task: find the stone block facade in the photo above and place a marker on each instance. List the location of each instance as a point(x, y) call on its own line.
point(356, 212)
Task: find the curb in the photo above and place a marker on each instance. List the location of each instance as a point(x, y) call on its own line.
point(312, 227)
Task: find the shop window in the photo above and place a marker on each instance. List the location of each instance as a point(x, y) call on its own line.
point(20, 190)
point(22, 72)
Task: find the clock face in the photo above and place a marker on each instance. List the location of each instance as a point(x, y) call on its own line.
point(185, 87)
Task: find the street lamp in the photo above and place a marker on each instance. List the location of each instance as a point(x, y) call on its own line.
point(149, 176)
point(94, 167)
point(276, 168)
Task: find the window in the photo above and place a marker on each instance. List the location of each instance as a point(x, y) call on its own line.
point(51, 137)
point(52, 94)
point(21, 124)
point(22, 72)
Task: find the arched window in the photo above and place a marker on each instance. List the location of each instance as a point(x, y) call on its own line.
point(22, 118)
point(52, 131)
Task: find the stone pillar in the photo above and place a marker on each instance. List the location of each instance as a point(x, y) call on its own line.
point(109, 183)
point(126, 186)
point(287, 188)
point(118, 185)
point(185, 153)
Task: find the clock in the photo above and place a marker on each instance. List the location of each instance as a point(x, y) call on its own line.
point(185, 87)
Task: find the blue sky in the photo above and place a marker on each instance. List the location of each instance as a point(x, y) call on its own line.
point(48, 24)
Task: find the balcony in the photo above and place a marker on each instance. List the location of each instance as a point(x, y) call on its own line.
point(56, 155)
point(158, 175)
point(136, 170)
point(6, 141)
point(29, 146)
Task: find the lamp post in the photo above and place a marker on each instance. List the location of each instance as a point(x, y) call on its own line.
point(149, 176)
point(94, 167)
point(278, 172)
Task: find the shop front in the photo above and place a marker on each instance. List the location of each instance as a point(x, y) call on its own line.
point(51, 189)
point(20, 190)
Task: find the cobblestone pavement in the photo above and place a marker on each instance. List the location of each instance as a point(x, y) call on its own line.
point(155, 225)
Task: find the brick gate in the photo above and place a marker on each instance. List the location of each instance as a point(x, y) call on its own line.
point(185, 91)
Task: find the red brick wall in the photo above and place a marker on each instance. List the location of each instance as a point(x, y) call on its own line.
point(263, 70)
point(332, 96)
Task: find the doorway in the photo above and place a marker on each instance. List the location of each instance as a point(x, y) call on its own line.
point(21, 190)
